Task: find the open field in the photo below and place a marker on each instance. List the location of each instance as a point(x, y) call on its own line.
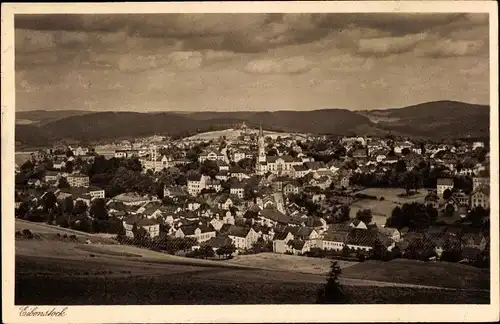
point(25, 121)
point(391, 194)
point(288, 262)
point(442, 274)
point(382, 209)
point(135, 283)
point(21, 157)
point(43, 229)
point(123, 274)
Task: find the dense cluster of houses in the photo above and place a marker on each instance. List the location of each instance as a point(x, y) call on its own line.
point(243, 205)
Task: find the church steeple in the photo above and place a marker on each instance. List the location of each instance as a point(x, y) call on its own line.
point(262, 149)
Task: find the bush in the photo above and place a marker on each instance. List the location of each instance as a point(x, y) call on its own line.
point(382, 199)
point(19, 234)
point(62, 221)
point(27, 234)
point(360, 256)
point(72, 237)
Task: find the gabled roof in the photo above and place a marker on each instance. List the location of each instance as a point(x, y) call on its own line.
point(315, 165)
point(77, 175)
point(296, 244)
point(361, 237)
point(274, 215)
point(140, 221)
point(191, 228)
point(129, 197)
point(300, 168)
point(175, 190)
point(218, 241)
point(207, 152)
point(334, 236)
point(238, 231)
point(344, 227)
point(194, 177)
point(304, 232)
point(280, 235)
point(286, 158)
point(484, 189)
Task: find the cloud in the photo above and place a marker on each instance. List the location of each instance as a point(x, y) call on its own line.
point(212, 55)
point(450, 48)
point(381, 46)
point(186, 60)
point(349, 63)
point(191, 61)
point(27, 40)
point(181, 60)
point(244, 32)
point(291, 65)
point(72, 37)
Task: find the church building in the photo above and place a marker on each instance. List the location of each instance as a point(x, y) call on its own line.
point(278, 165)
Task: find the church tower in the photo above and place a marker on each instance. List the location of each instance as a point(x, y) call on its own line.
point(262, 148)
point(153, 156)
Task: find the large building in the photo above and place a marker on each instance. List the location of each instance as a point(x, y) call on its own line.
point(197, 182)
point(157, 162)
point(78, 180)
point(443, 184)
point(480, 197)
point(480, 181)
point(212, 155)
point(279, 165)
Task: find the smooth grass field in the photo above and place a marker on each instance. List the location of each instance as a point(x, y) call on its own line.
point(287, 262)
point(391, 194)
point(383, 208)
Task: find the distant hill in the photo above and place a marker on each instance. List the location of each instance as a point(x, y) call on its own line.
point(433, 119)
point(45, 116)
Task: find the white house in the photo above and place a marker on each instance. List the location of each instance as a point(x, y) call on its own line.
point(443, 184)
point(200, 233)
point(211, 156)
point(151, 226)
point(243, 238)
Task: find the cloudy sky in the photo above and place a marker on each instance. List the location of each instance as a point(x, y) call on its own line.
point(193, 62)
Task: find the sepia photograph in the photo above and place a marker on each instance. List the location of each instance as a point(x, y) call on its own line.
point(251, 158)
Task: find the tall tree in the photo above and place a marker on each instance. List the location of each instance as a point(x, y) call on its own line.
point(332, 292)
point(447, 194)
point(68, 205)
point(27, 166)
point(98, 209)
point(63, 183)
point(49, 201)
point(69, 168)
point(80, 207)
point(365, 216)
